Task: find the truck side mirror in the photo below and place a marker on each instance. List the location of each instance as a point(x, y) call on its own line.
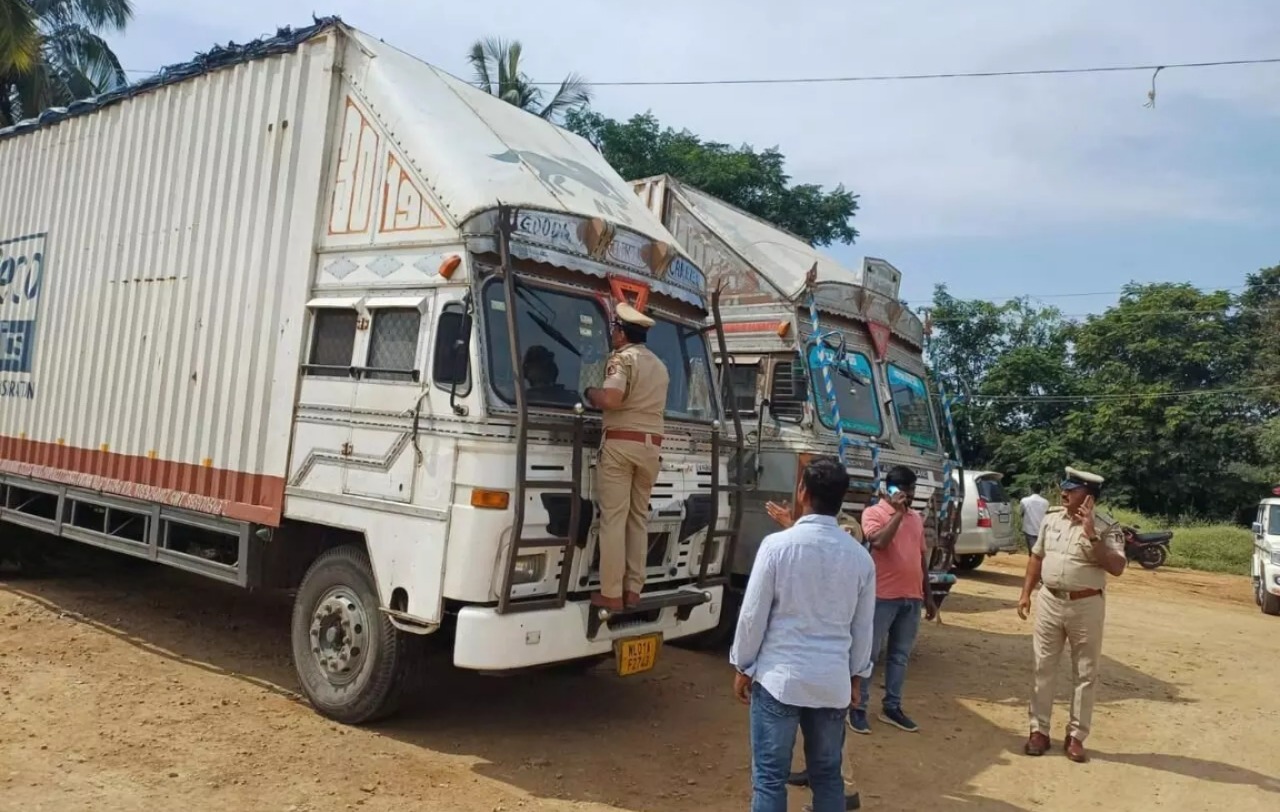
point(1257, 529)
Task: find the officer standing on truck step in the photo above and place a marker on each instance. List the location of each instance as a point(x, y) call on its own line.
point(634, 400)
point(1073, 554)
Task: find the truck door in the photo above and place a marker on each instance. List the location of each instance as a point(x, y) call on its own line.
point(383, 459)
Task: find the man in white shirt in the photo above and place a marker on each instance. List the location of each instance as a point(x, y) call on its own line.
point(804, 642)
point(1034, 508)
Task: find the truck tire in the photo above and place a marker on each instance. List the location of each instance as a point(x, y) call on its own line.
point(969, 563)
point(1270, 603)
point(353, 665)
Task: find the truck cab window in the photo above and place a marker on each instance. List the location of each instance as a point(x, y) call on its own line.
point(854, 384)
point(393, 344)
point(333, 340)
point(684, 352)
point(745, 378)
point(911, 407)
point(564, 344)
point(450, 361)
point(787, 392)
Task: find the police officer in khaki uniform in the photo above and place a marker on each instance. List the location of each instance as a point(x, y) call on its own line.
point(1072, 556)
point(634, 400)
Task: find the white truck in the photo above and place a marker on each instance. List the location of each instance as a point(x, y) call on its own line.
point(312, 314)
point(818, 359)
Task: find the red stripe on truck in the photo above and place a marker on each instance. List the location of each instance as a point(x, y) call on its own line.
point(219, 491)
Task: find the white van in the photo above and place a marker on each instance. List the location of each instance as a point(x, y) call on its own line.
point(986, 521)
point(1266, 556)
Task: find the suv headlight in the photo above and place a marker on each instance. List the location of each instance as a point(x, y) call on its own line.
point(1275, 557)
point(530, 568)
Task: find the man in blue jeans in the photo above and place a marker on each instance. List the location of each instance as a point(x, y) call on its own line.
point(804, 642)
point(895, 534)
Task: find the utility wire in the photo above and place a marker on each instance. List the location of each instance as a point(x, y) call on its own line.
point(897, 77)
point(1188, 393)
point(910, 77)
point(1015, 296)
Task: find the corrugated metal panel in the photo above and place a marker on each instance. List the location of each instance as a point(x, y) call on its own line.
point(179, 229)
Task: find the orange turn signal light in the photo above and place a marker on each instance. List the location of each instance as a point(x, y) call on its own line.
point(450, 266)
point(784, 327)
point(490, 500)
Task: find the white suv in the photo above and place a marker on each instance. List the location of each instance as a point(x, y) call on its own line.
point(1266, 556)
point(986, 521)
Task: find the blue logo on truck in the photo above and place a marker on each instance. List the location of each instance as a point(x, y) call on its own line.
point(22, 264)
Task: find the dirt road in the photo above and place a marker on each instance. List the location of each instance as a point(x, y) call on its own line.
point(148, 690)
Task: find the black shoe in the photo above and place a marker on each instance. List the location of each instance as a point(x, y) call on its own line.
point(898, 719)
point(800, 779)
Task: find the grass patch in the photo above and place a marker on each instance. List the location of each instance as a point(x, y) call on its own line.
point(1199, 545)
point(1196, 545)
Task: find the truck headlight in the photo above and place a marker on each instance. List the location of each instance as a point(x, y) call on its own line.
point(1275, 558)
point(530, 568)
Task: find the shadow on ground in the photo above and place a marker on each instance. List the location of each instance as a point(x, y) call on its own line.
point(533, 731)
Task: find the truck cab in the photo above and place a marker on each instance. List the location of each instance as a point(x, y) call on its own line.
point(818, 360)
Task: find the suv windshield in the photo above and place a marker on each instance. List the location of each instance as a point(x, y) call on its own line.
point(855, 390)
point(1273, 520)
point(564, 344)
point(911, 407)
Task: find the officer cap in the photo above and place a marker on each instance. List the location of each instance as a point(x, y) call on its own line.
point(626, 314)
point(1081, 479)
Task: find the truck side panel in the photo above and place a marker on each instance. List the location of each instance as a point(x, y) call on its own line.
point(154, 267)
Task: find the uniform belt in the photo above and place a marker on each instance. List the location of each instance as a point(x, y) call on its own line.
point(633, 436)
point(1072, 594)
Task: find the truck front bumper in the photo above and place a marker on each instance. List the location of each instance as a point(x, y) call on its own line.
point(488, 641)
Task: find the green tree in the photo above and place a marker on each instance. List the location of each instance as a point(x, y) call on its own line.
point(753, 181)
point(73, 60)
point(1008, 358)
point(1166, 455)
point(496, 63)
point(19, 36)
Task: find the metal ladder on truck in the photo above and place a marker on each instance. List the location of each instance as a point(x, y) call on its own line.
point(685, 600)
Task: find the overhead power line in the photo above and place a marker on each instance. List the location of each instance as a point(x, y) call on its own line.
point(894, 77)
point(912, 77)
point(1187, 393)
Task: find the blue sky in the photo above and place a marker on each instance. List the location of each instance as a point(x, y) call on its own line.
point(997, 187)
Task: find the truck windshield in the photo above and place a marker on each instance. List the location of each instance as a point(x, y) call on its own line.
point(855, 390)
point(911, 407)
point(1273, 520)
point(564, 345)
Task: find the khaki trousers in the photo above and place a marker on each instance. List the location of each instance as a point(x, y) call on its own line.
point(1060, 623)
point(625, 475)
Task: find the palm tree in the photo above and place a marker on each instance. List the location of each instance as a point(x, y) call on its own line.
point(497, 66)
point(19, 36)
point(71, 61)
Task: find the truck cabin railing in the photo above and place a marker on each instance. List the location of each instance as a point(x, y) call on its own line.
point(525, 423)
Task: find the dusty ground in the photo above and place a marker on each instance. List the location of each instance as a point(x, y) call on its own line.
point(147, 690)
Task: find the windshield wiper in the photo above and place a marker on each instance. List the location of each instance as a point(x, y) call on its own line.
point(544, 323)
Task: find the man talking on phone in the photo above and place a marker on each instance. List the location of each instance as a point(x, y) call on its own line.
point(895, 534)
point(1072, 557)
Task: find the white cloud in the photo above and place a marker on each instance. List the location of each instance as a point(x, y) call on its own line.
point(963, 157)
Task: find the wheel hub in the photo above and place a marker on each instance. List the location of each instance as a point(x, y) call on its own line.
point(339, 635)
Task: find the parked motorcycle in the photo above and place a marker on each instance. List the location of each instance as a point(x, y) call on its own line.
point(1150, 550)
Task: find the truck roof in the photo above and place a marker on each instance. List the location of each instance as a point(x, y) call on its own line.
point(761, 263)
point(476, 150)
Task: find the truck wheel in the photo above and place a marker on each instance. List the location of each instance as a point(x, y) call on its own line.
point(352, 663)
point(1270, 603)
point(1258, 591)
point(969, 563)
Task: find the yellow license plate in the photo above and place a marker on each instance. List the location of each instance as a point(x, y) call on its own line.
point(637, 655)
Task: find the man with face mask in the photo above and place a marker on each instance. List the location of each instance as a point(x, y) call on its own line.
point(1074, 553)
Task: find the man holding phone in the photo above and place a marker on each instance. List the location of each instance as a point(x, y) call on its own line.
point(1070, 562)
point(895, 534)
